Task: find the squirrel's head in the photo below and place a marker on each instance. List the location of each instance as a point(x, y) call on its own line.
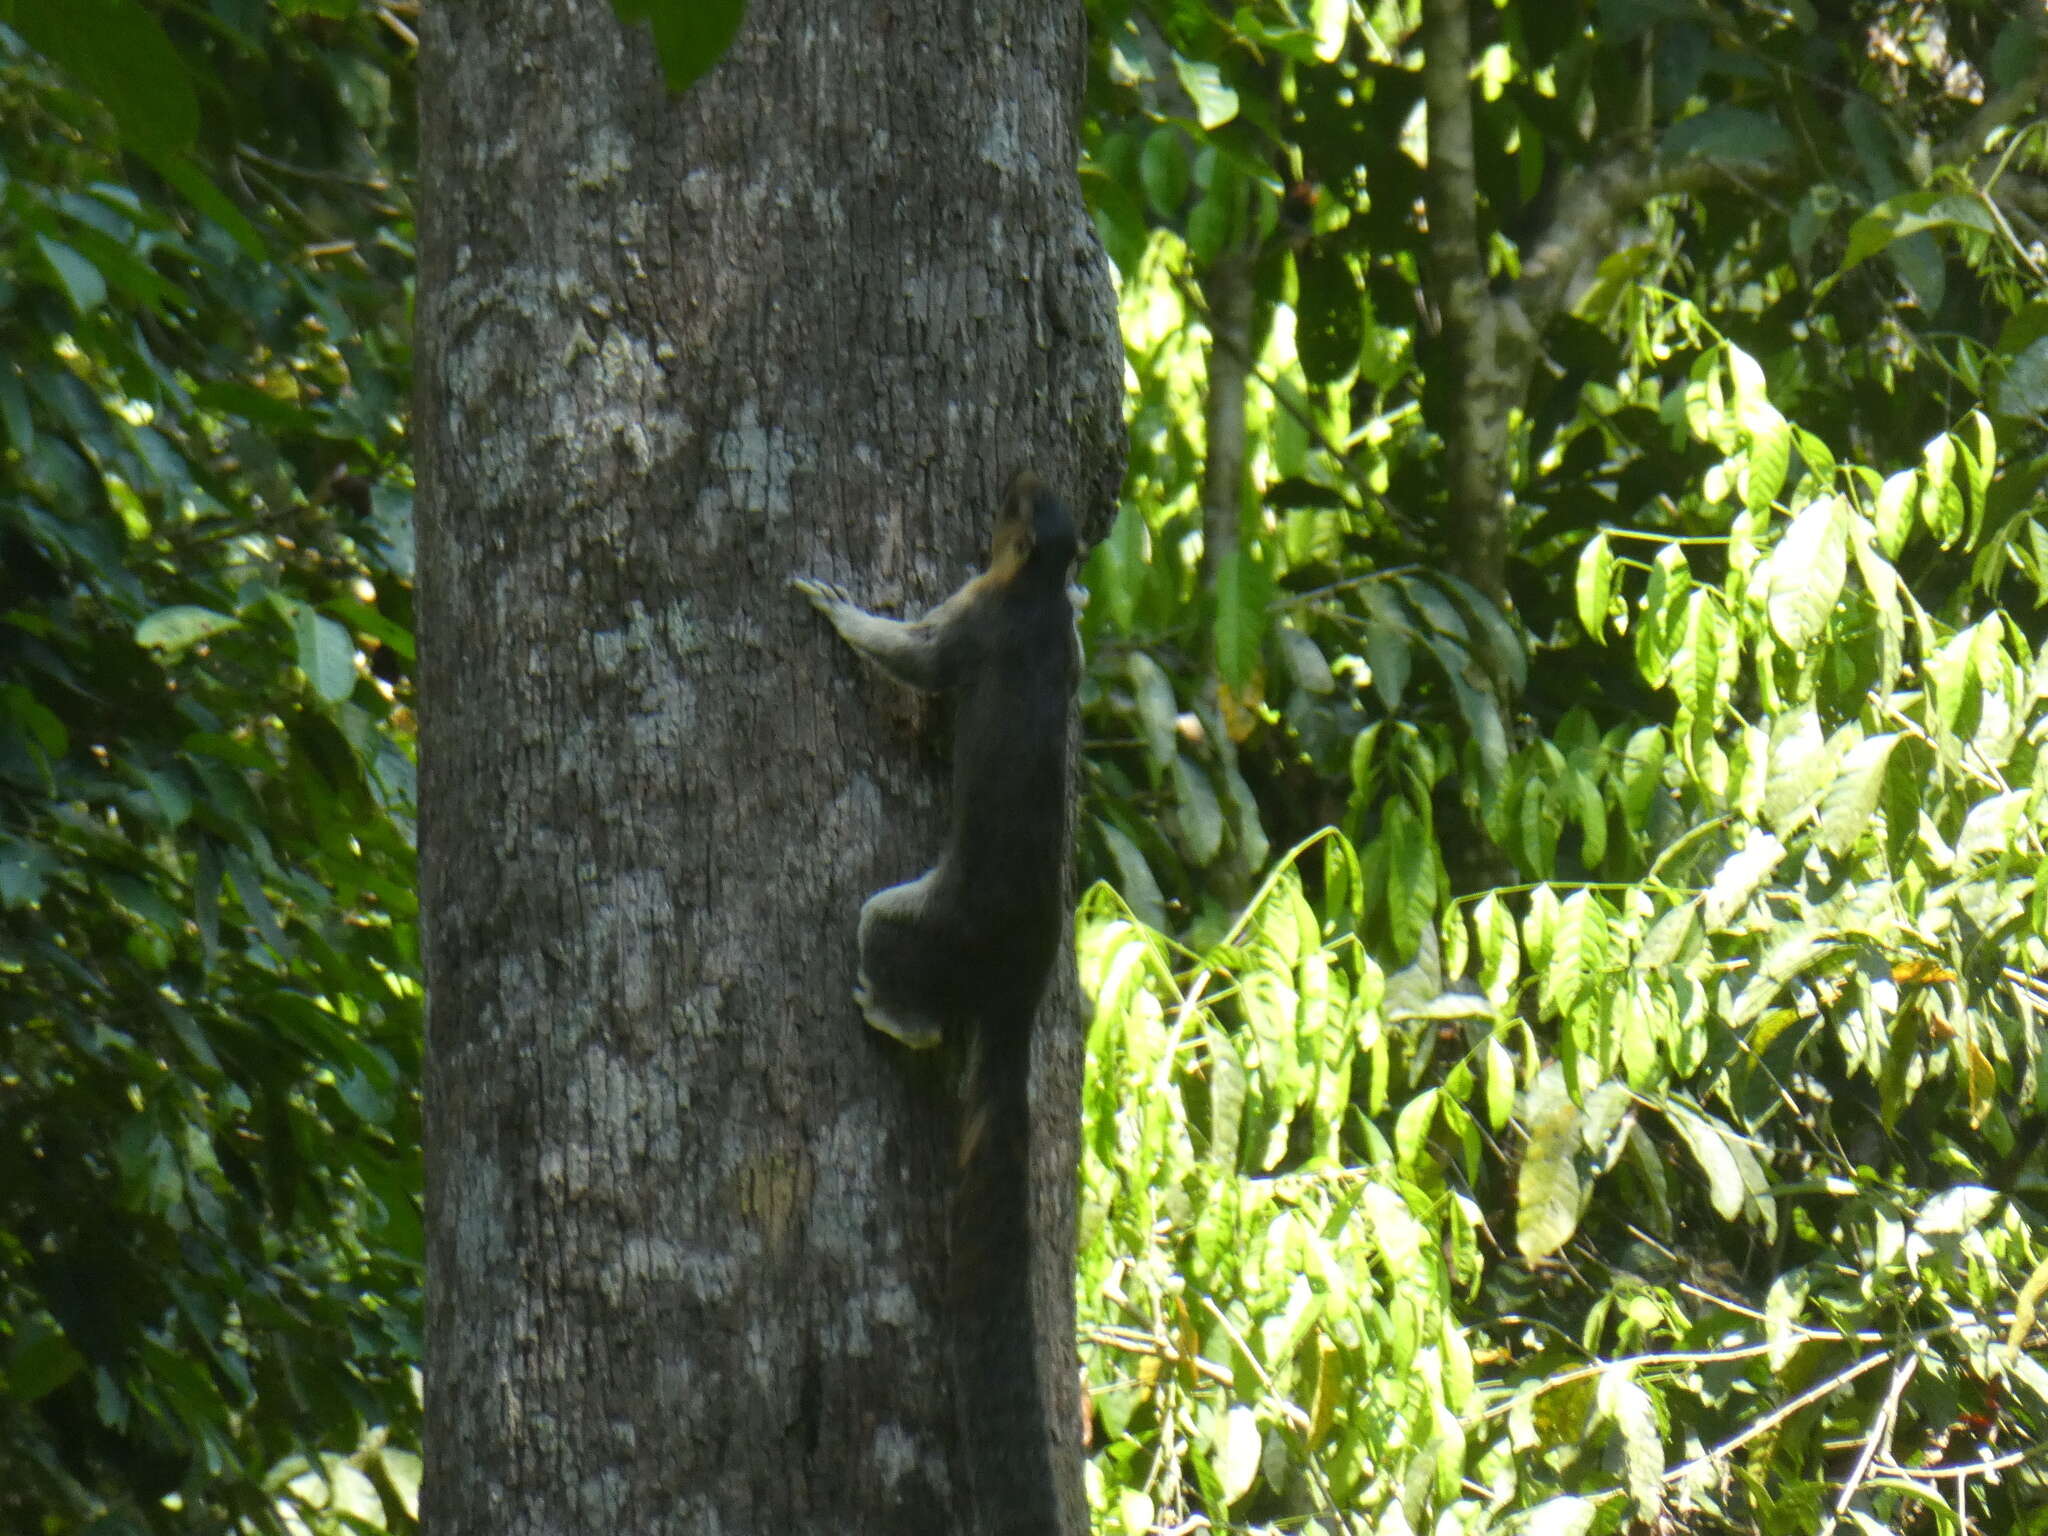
point(1033, 528)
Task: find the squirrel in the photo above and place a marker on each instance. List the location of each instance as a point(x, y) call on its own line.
point(969, 946)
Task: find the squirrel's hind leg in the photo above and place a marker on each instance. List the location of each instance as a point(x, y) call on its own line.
point(901, 990)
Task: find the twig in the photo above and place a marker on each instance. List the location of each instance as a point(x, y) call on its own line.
point(410, 38)
point(1629, 1362)
point(1132, 1342)
point(1309, 1463)
point(1777, 1416)
point(1962, 1468)
point(1880, 1434)
point(1826, 1335)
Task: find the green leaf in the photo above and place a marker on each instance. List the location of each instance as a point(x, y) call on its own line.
point(1329, 315)
point(1134, 878)
point(1387, 655)
point(1664, 602)
point(1807, 571)
point(171, 630)
point(1726, 133)
point(1783, 1304)
point(1500, 946)
point(1500, 1085)
point(1892, 512)
point(1200, 813)
point(35, 719)
point(1579, 950)
point(1993, 826)
point(1642, 1442)
point(1495, 641)
point(1412, 1127)
point(116, 50)
point(1669, 937)
point(1941, 500)
point(1331, 19)
point(255, 901)
point(2022, 386)
point(1547, 1189)
point(1705, 1140)
point(1881, 582)
point(1244, 589)
point(327, 654)
point(1851, 800)
point(690, 36)
point(1163, 168)
point(14, 413)
point(1209, 227)
point(1158, 714)
point(1739, 878)
point(184, 173)
point(1594, 585)
point(1799, 769)
point(1567, 1516)
point(1215, 102)
point(79, 278)
point(41, 1361)
point(1237, 1460)
point(1305, 661)
point(24, 869)
point(1900, 218)
point(1770, 460)
point(1117, 569)
point(1411, 877)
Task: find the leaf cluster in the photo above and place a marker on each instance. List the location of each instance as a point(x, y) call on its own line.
point(1692, 1183)
point(209, 1226)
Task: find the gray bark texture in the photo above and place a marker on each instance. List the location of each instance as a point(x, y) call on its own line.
point(686, 1214)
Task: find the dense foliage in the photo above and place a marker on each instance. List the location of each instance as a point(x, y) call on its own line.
point(1593, 523)
point(209, 1232)
point(1700, 1195)
point(1627, 1114)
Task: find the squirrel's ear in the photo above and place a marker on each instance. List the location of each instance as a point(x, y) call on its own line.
point(1016, 534)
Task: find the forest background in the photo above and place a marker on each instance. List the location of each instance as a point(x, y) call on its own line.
point(1564, 720)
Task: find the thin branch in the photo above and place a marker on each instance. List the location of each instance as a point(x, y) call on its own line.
point(1593, 202)
point(405, 34)
point(1132, 1342)
point(1625, 1362)
point(1888, 1468)
point(1288, 1411)
point(1777, 1416)
point(1880, 1434)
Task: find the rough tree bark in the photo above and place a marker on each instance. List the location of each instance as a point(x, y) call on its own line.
point(686, 1214)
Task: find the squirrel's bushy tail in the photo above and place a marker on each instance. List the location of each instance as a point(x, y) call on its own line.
point(1013, 1488)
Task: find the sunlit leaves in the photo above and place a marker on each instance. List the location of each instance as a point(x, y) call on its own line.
point(1776, 966)
point(1548, 1192)
point(1805, 572)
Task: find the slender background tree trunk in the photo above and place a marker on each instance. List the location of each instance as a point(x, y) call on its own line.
point(686, 1214)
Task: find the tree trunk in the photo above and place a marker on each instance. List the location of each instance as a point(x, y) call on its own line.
point(686, 1214)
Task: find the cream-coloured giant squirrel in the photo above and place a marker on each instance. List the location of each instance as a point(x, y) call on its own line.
point(968, 947)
